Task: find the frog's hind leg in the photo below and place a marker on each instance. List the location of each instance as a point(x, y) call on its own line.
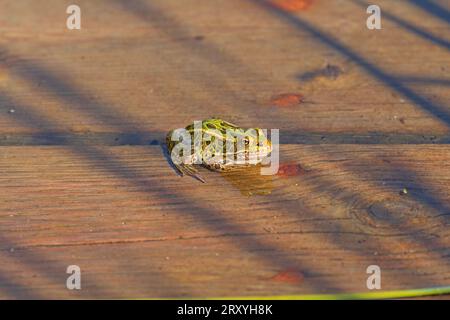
point(186, 169)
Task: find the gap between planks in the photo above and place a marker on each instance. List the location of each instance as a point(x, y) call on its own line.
point(158, 138)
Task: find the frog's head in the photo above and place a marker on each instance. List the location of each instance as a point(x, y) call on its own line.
point(257, 145)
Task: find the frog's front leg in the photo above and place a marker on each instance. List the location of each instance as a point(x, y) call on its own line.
point(187, 168)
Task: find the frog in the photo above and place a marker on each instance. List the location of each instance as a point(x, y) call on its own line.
point(217, 144)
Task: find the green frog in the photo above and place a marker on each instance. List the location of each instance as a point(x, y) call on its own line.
point(217, 145)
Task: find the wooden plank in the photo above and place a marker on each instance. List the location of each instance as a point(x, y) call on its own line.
point(139, 68)
point(152, 66)
point(310, 229)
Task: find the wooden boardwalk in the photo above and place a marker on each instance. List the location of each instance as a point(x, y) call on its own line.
point(84, 181)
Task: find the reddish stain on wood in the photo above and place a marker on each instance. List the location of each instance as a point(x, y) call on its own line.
point(292, 5)
point(286, 100)
point(290, 169)
point(288, 276)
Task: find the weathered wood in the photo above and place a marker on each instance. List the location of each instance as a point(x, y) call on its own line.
point(83, 179)
point(134, 234)
point(155, 65)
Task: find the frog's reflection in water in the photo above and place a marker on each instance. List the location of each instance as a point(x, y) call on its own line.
point(249, 181)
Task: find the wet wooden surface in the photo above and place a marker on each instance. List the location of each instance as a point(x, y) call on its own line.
point(362, 115)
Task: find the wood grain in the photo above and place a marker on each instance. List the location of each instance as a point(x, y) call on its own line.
point(156, 65)
point(137, 235)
